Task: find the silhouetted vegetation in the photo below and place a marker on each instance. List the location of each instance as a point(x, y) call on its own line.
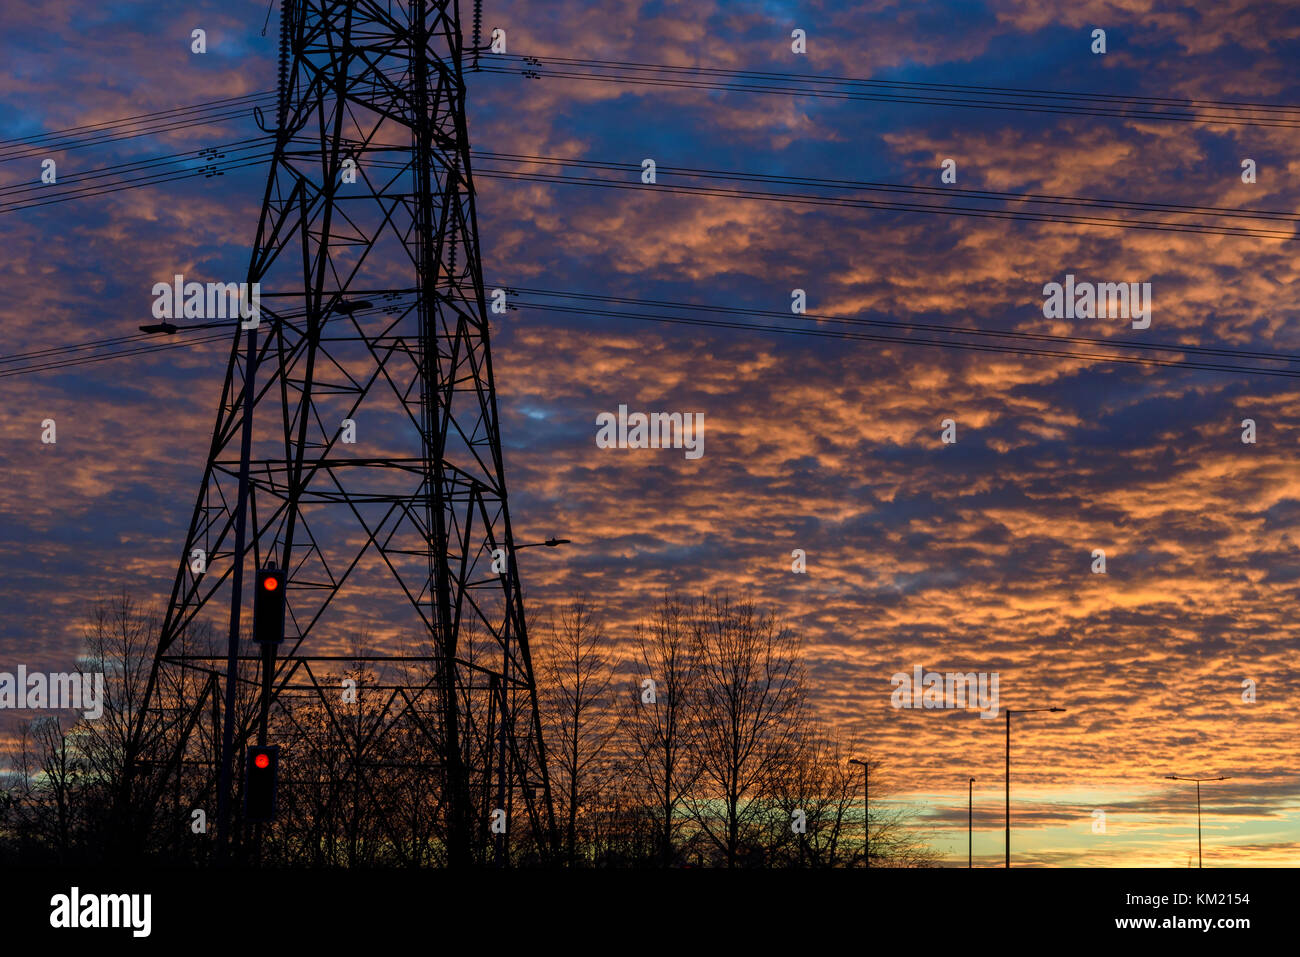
point(701, 750)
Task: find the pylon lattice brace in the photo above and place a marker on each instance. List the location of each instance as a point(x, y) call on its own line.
point(372, 310)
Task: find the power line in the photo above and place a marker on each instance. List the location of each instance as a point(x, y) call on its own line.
point(911, 340)
point(50, 353)
point(918, 100)
point(205, 105)
point(108, 136)
point(154, 178)
point(909, 326)
point(904, 84)
point(215, 162)
point(948, 210)
point(208, 156)
point(804, 330)
point(87, 360)
point(101, 132)
point(76, 347)
point(866, 185)
point(1219, 212)
point(947, 95)
point(213, 167)
point(794, 83)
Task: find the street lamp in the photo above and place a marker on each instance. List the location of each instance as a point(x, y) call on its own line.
point(970, 817)
point(866, 810)
point(170, 328)
point(504, 684)
point(1176, 777)
point(1009, 712)
point(549, 543)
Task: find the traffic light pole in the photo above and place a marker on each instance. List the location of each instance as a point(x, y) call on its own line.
point(268, 672)
point(236, 599)
point(269, 599)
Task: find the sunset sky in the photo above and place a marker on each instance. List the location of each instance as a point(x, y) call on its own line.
point(974, 556)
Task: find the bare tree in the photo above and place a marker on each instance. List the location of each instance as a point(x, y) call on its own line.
point(120, 638)
point(816, 786)
point(662, 720)
point(62, 784)
point(715, 757)
point(751, 693)
point(576, 674)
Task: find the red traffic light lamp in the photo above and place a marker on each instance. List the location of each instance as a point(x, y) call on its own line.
point(259, 784)
point(268, 606)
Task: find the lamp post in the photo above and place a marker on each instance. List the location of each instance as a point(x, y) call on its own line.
point(503, 688)
point(866, 810)
point(226, 772)
point(1178, 777)
point(970, 817)
point(1009, 712)
point(549, 543)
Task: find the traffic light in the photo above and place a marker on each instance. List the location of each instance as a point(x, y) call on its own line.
point(259, 787)
point(268, 606)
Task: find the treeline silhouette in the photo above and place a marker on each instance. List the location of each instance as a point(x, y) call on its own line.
point(701, 749)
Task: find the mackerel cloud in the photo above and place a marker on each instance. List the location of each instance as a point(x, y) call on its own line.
point(973, 556)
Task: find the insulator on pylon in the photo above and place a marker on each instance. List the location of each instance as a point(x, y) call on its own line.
point(282, 86)
point(478, 31)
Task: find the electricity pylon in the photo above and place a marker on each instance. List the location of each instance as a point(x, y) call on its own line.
point(357, 447)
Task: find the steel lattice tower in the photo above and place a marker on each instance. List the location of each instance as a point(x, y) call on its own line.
point(372, 314)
